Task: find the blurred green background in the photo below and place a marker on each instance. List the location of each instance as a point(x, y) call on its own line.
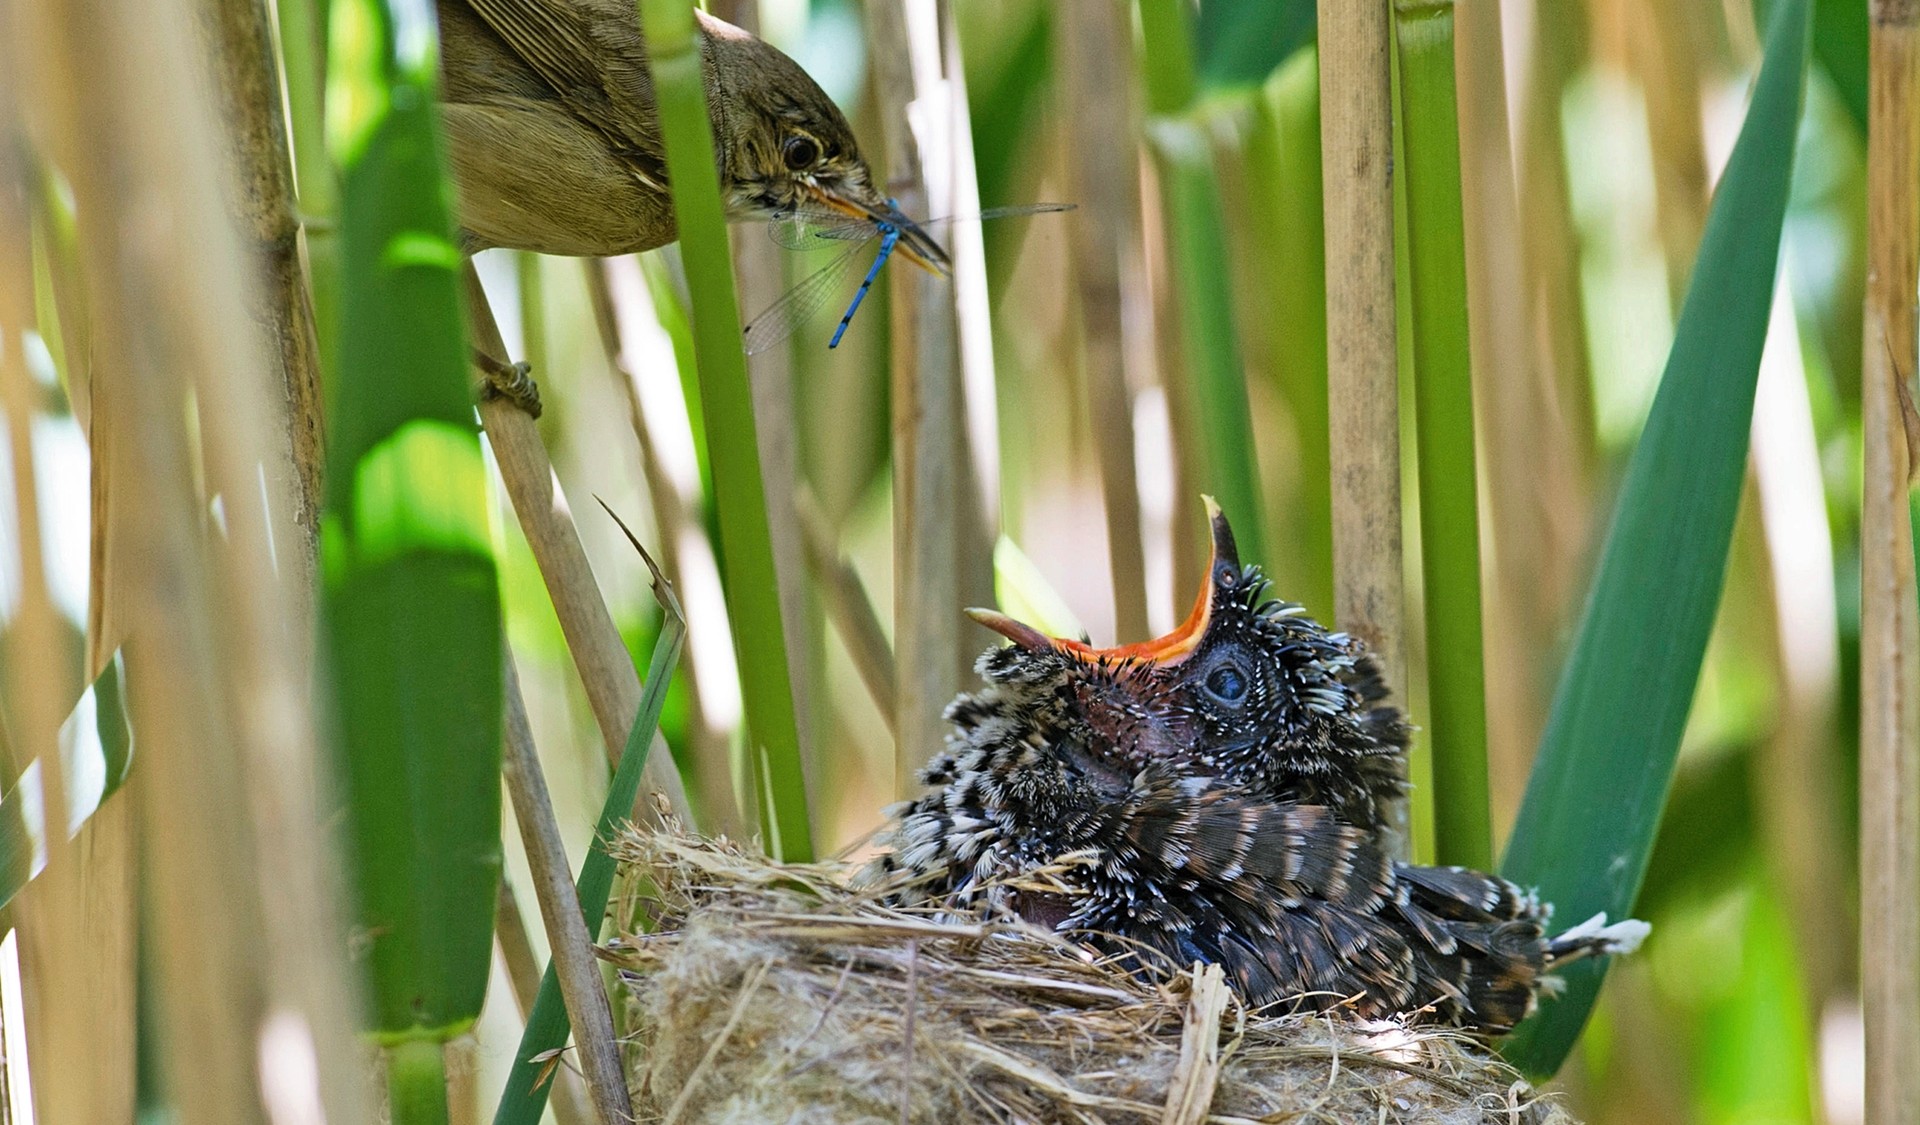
point(1591, 132)
point(1618, 115)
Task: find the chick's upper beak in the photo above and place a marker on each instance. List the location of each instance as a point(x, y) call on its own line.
point(915, 243)
point(1019, 632)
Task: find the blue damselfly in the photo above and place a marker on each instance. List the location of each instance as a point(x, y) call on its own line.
point(807, 229)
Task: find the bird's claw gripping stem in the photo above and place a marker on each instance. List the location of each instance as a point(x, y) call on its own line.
point(511, 381)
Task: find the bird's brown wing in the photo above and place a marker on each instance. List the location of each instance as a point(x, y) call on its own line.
point(1285, 898)
point(1301, 908)
point(1192, 831)
point(1482, 954)
point(593, 56)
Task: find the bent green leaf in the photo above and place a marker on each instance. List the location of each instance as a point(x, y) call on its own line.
point(1593, 803)
point(525, 1096)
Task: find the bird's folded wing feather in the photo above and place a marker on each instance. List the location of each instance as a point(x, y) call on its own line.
point(1461, 895)
point(1285, 897)
point(592, 53)
point(1291, 901)
point(1195, 833)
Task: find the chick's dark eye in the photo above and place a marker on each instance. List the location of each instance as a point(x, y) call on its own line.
point(800, 153)
point(1227, 684)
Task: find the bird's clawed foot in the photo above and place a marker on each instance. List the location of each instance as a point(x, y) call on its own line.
point(510, 381)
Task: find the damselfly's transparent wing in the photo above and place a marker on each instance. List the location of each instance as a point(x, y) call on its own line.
point(811, 228)
point(816, 230)
point(798, 304)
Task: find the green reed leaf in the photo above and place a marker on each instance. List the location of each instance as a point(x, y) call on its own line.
point(1594, 800)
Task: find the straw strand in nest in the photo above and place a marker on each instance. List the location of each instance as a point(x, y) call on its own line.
point(767, 993)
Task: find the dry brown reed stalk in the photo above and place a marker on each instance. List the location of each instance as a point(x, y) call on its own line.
point(935, 539)
point(849, 607)
point(261, 445)
point(600, 656)
point(1552, 60)
point(258, 179)
point(568, 937)
point(1664, 49)
point(1498, 336)
point(1538, 425)
point(1356, 146)
point(940, 75)
point(715, 790)
point(1094, 54)
point(1889, 630)
point(769, 993)
point(1562, 402)
point(217, 686)
point(71, 991)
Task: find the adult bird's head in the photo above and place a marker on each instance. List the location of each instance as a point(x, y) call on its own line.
point(1247, 689)
point(788, 147)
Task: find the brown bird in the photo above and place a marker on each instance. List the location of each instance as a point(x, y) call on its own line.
point(1167, 814)
point(555, 137)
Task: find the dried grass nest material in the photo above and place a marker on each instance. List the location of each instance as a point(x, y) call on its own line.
point(770, 994)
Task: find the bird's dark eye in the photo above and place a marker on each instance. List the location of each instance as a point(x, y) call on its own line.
point(1227, 684)
point(800, 153)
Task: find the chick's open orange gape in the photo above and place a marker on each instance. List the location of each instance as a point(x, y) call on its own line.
point(1247, 689)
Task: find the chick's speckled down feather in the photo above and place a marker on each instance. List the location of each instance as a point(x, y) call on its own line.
point(1223, 791)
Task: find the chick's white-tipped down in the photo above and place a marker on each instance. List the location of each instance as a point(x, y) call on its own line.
point(1625, 936)
point(1595, 936)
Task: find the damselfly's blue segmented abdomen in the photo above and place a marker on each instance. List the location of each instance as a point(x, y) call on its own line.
point(887, 242)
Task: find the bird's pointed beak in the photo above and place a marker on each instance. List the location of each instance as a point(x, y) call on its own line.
point(1019, 632)
point(1224, 550)
point(916, 245)
point(1223, 569)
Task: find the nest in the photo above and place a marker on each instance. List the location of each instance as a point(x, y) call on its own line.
point(768, 994)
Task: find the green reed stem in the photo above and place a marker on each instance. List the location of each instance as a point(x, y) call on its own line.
point(1443, 410)
point(1203, 281)
point(753, 600)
